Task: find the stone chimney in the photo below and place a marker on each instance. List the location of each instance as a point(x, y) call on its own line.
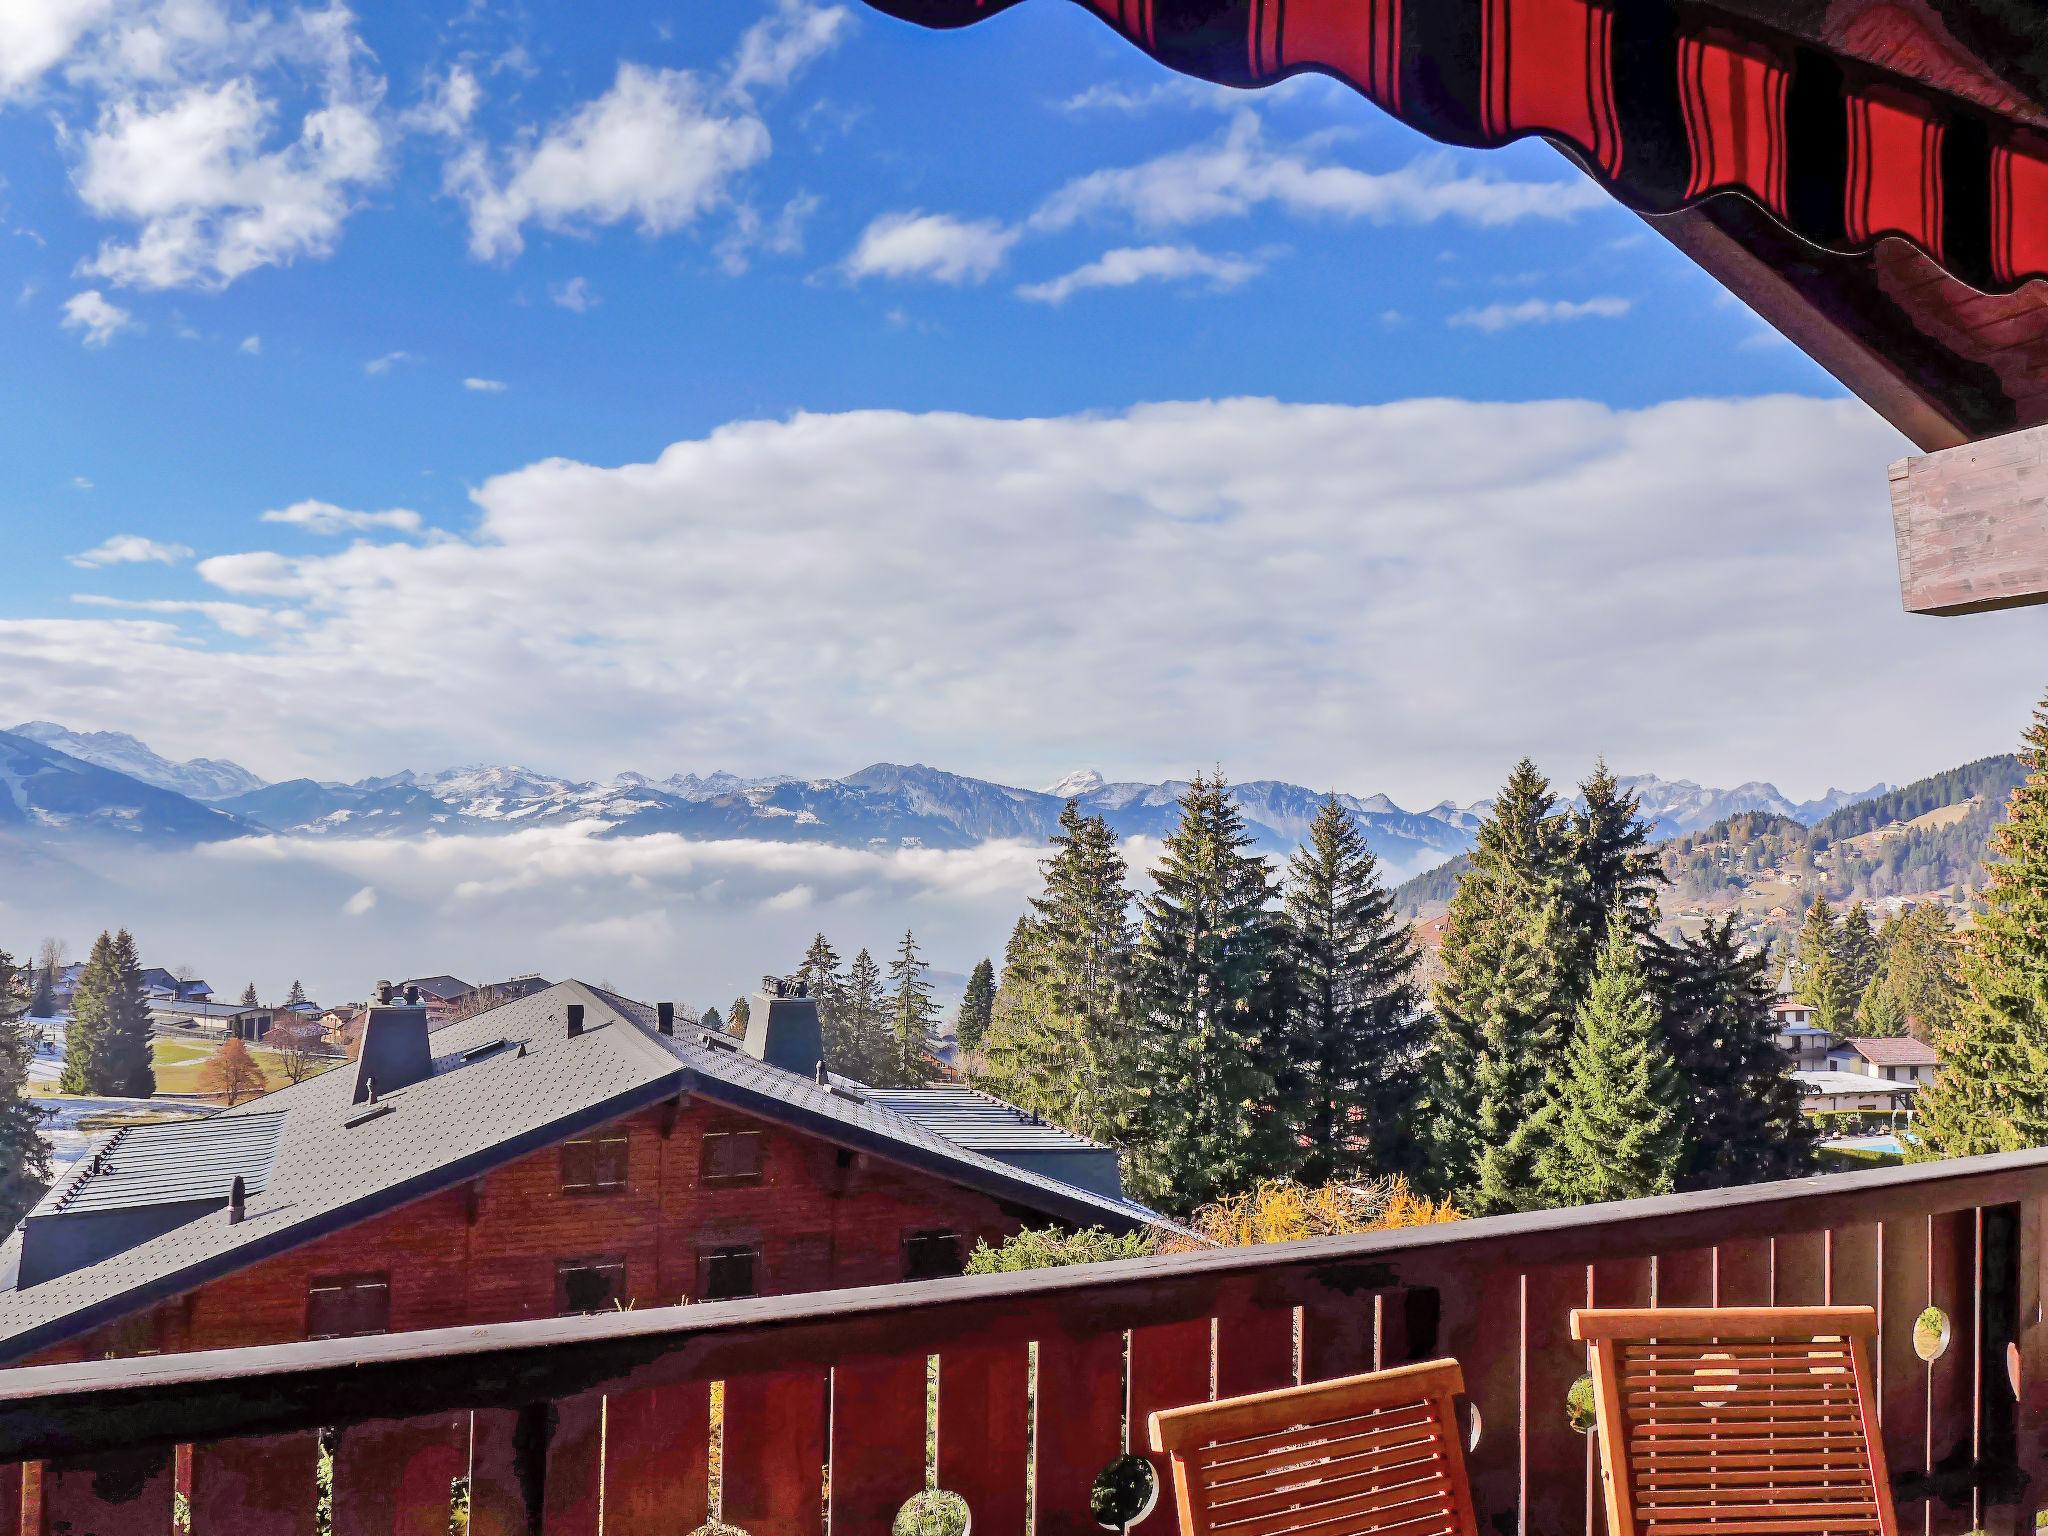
point(395, 1050)
point(783, 1028)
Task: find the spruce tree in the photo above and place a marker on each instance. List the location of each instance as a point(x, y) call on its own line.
point(1351, 1036)
point(1992, 1093)
point(1857, 955)
point(1819, 979)
point(913, 1017)
point(91, 1003)
point(1503, 1002)
point(819, 974)
point(711, 1021)
point(249, 998)
point(977, 1008)
point(1745, 1122)
point(1615, 869)
point(43, 1001)
point(1061, 1046)
point(124, 1046)
point(1204, 995)
point(1918, 989)
point(738, 1016)
point(864, 1017)
point(1621, 1104)
point(24, 1156)
point(296, 995)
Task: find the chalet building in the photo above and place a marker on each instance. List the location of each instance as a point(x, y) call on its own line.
point(245, 1021)
point(572, 1151)
point(1900, 1060)
point(1804, 1041)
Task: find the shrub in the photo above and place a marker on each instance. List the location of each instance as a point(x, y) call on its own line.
point(935, 1512)
point(1280, 1210)
point(1050, 1248)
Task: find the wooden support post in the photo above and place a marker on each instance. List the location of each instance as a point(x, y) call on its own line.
point(1972, 525)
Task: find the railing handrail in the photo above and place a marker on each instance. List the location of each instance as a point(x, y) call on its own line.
point(61, 1409)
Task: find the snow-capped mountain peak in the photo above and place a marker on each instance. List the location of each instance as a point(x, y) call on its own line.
point(1082, 781)
point(201, 778)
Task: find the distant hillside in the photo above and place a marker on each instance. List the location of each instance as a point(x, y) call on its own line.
point(1927, 840)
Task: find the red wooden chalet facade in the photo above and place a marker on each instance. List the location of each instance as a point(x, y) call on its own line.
point(569, 1152)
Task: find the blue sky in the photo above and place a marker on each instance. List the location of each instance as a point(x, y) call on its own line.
point(777, 284)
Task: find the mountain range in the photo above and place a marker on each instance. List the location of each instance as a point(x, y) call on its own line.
point(57, 784)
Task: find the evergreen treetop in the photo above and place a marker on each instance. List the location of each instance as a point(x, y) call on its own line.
point(24, 1155)
point(913, 1016)
point(977, 1008)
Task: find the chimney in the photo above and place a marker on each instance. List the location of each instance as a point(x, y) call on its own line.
point(665, 1018)
point(575, 1020)
point(783, 1030)
point(238, 1197)
point(395, 1050)
point(412, 995)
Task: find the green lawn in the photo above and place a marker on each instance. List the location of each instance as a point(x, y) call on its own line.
point(180, 1066)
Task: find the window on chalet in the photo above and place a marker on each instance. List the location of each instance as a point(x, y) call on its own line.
point(347, 1306)
point(932, 1255)
point(589, 1285)
point(732, 1157)
point(725, 1274)
point(594, 1165)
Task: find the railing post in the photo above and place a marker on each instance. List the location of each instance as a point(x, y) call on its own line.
point(2017, 1378)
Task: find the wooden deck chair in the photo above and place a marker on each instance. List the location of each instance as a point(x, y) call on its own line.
point(1738, 1421)
point(1363, 1454)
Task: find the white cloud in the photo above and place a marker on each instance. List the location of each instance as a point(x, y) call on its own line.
point(1231, 176)
point(386, 363)
point(653, 150)
point(1176, 90)
point(1142, 264)
point(253, 345)
point(131, 549)
point(781, 236)
point(930, 245)
point(37, 34)
point(778, 47)
point(213, 193)
point(1402, 597)
point(574, 296)
point(324, 517)
point(358, 905)
point(1495, 318)
point(446, 106)
point(81, 482)
point(242, 619)
point(94, 315)
point(484, 386)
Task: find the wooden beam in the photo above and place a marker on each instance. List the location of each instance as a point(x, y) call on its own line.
point(1972, 525)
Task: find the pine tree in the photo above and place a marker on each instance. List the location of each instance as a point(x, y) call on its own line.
point(1992, 1093)
point(1745, 1121)
point(1059, 1042)
point(124, 1047)
point(1352, 1032)
point(296, 996)
point(1918, 989)
point(90, 1003)
point(1504, 1001)
point(711, 1021)
point(913, 1016)
point(864, 1013)
point(1621, 1104)
point(977, 1008)
point(24, 1156)
point(249, 999)
point(738, 1016)
point(1204, 990)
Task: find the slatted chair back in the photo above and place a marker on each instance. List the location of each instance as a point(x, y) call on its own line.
point(1738, 1421)
point(1352, 1457)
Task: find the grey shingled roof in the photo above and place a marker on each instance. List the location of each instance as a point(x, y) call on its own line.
point(472, 1115)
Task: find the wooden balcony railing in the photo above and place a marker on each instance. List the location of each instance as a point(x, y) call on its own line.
point(578, 1425)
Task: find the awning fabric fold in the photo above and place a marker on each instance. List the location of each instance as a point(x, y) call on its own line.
point(1665, 103)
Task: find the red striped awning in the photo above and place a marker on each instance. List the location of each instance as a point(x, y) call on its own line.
point(1665, 102)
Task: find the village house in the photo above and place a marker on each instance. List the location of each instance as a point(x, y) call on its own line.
point(1900, 1060)
point(1802, 1040)
point(572, 1151)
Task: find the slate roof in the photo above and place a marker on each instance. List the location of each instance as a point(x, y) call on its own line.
point(446, 989)
point(164, 1164)
point(482, 1108)
point(1813, 1083)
